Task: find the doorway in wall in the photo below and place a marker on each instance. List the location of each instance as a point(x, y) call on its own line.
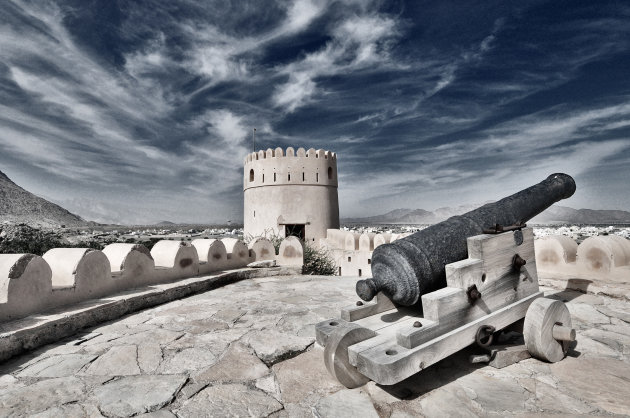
point(295, 230)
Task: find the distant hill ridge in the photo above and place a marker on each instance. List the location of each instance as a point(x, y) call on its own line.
point(20, 206)
point(554, 214)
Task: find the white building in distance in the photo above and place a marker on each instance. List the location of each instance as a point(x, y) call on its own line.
point(292, 193)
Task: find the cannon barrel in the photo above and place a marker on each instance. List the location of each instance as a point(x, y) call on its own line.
point(412, 266)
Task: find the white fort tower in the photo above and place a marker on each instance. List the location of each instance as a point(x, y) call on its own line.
point(292, 193)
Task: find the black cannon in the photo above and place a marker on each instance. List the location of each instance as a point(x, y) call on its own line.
point(415, 265)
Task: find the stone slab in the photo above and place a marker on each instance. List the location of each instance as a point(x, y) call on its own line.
point(347, 403)
point(40, 396)
point(119, 360)
point(57, 366)
point(239, 364)
point(131, 395)
point(229, 400)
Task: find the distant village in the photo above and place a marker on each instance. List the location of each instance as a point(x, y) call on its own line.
point(147, 234)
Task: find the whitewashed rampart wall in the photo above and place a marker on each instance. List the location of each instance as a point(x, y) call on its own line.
point(352, 251)
point(67, 276)
point(292, 187)
point(600, 257)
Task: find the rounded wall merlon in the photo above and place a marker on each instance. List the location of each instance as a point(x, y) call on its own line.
point(64, 263)
point(366, 241)
point(381, 239)
point(624, 244)
point(174, 260)
point(291, 252)
point(555, 250)
point(117, 254)
point(212, 255)
point(601, 253)
point(262, 249)
point(79, 274)
point(351, 241)
point(205, 247)
point(25, 285)
point(165, 252)
point(237, 252)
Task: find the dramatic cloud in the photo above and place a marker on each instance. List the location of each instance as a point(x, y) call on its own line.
point(143, 111)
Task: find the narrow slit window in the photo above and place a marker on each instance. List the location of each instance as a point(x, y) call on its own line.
point(317, 177)
point(349, 259)
point(330, 173)
point(369, 261)
point(263, 178)
point(359, 272)
point(251, 175)
point(274, 177)
point(303, 176)
point(289, 177)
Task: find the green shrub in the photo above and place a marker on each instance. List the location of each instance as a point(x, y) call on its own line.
point(318, 261)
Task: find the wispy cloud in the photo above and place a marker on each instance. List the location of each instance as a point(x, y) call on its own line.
point(359, 42)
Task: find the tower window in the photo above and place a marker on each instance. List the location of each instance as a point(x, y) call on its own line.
point(289, 176)
point(251, 175)
point(329, 173)
point(254, 214)
point(274, 177)
point(303, 178)
point(317, 177)
point(359, 272)
point(349, 259)
point(263, 177)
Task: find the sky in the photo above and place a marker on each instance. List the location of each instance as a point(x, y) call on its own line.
point(142, 111)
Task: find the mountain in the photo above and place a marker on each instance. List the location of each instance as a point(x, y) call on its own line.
point(554, 214)
point(165, 223)
point(563, 214)
point(19, 206)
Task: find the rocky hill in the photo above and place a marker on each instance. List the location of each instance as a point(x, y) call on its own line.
point(563, 214)
point(20, 206)
point(555, 214)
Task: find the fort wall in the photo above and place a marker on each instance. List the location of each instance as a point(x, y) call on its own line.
point(352, 252)
point(68, 276)
point(596, 259)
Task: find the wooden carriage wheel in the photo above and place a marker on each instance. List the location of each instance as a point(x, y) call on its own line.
point(548, 330)
point(336, 354)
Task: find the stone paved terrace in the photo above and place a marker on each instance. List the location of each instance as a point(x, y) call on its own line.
point(247, 349)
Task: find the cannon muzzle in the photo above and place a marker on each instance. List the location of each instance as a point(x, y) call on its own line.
point(412, 266)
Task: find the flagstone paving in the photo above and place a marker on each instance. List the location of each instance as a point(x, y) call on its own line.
point(248, 349)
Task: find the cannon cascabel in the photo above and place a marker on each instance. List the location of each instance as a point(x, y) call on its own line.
point(412, 266)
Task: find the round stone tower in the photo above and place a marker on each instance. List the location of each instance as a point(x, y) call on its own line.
point(292, 193)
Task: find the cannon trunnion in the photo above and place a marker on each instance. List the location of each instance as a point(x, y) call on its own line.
point(495, 287)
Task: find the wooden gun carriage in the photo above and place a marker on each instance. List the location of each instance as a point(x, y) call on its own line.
point(494, 288)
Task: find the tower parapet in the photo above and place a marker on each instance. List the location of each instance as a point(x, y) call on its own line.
point(292, 192)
